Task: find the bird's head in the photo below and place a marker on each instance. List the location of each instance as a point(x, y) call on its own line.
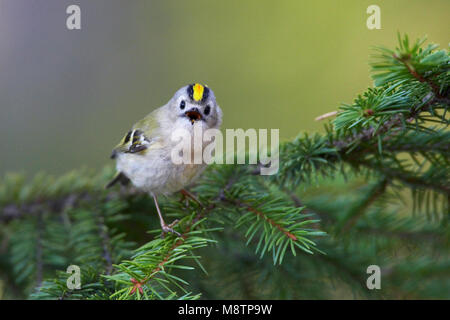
point(196, 102)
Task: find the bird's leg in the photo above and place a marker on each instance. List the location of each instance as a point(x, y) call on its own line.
point(186, 194)
point(165, 228)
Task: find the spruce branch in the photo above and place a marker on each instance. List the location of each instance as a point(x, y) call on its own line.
point(392, 138)
point(375, 192)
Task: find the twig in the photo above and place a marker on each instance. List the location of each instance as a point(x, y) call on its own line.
point(418, 76)
point(39, 262)
point(375, 192)
point(326, 115)
point(105, 243)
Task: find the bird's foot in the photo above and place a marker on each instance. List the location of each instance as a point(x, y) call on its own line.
point(166, 228)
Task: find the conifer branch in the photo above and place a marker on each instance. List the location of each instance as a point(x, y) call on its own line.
point(392, 138)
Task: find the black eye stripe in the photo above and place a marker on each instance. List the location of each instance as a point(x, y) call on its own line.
point(205, 94)
point(190, 91)
point(127, 138)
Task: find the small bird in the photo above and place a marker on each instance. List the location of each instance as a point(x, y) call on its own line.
point(143, 155)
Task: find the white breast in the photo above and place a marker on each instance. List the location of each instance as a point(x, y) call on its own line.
point(154, 172)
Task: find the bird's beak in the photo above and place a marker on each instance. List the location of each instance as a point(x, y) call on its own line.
point(193, 115)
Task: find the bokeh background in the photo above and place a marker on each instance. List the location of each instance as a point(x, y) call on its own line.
point(66, 97)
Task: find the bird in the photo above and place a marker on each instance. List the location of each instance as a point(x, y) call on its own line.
point(143, 155)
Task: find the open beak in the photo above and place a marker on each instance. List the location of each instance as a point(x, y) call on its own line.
point(193, 115)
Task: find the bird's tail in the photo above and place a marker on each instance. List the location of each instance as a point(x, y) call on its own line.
point(119, 177)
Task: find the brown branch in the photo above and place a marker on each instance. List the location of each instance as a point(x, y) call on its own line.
point(105, 243)
point(375, 192)
point(39, 251)
point(137, 285)
point(418, 76)
point(299, 204)
point(262, 215)
point(366, 134)
point(406, 235)
point(54, 205)
point(405, 177)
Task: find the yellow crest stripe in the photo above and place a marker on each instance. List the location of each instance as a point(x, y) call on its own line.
point(198, 92)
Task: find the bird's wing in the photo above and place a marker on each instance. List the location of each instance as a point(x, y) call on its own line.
point(139, 138)
point(135, 141)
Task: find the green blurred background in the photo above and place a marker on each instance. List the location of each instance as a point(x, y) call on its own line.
point(66, 97)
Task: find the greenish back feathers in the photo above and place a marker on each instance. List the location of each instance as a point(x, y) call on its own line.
point(138, 138)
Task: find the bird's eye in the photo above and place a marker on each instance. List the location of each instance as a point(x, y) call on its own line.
point(182, 105)
point(207, 110)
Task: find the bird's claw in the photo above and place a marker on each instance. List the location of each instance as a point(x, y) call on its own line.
point(169, 228)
